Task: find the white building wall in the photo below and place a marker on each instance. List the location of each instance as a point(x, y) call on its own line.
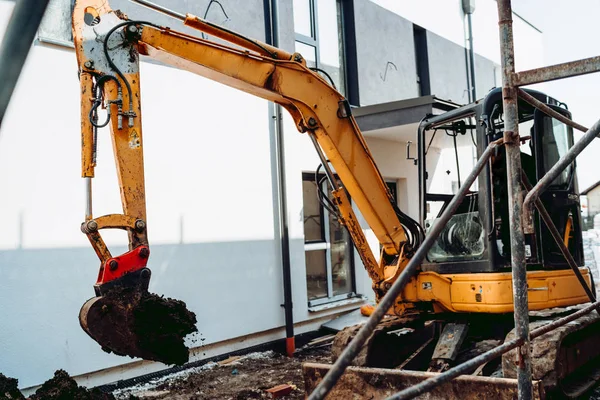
point(208, 163)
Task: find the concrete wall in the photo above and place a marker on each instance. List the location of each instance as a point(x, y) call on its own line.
point(384, 41)
point(446, 19)
point(447, 69)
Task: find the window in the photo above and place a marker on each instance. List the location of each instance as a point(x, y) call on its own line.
point(556, 141)
point(318, 29)
point(328, 249)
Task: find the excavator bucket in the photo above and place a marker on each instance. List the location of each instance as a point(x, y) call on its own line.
point(133, 322)
point(380, 383)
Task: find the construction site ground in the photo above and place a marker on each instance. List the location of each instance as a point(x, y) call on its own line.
point(245, 377)
point(249, 376)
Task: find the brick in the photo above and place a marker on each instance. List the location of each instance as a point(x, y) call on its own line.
point(280, 390)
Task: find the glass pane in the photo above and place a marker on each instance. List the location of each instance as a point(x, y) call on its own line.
point(441, 160)
point(330, 41)
point(340, 257)
point(308, 52)
point(433, 211)
point(555, 143)
point(316, 274)
point(302, 20)
point(313, 229)
point(460, 240)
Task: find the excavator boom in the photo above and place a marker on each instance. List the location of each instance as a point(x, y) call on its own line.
point(108, 46)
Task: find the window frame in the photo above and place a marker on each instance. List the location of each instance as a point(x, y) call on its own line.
point(325, 244)
point(313, 41)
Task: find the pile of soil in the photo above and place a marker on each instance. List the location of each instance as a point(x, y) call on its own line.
point(135, 323)
point(63, 387)
point(9, 388)
point(161, 325)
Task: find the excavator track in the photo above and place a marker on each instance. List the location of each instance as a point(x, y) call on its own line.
point(565, 361)
point(403, 334)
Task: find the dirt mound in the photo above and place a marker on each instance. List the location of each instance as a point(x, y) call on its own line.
point(9, 389)
point(161, 325)
point(63, 387)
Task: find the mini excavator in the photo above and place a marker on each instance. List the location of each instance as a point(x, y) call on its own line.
point(463, 288)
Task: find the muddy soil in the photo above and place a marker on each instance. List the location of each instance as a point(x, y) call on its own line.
point(9, 389)
point(161, 325)
point(244, 378)
point(140, 324)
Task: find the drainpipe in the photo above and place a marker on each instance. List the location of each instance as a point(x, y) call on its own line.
point(275, 114)
point(468, 8)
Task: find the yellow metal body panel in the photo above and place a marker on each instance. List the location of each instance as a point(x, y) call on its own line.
point(492, 292)
point(127, 141)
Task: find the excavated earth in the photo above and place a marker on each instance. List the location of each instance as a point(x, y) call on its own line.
point(237, 378)
point(161, 325)
point(63, 387)
point(59, 387)
point(9, 389)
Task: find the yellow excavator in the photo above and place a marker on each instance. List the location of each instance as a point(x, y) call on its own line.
point(463, 289)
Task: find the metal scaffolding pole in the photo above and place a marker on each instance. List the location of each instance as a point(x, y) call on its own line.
point(23, 25)
point(515, 200)
point(344, 360)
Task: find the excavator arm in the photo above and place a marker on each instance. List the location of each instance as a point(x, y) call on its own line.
point(108, 46)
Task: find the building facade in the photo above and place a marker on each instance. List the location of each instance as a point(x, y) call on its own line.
point(212, 175)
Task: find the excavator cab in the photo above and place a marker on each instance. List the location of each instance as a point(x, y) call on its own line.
point(477, 237)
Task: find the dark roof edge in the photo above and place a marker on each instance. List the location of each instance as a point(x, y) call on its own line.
point(594, 186)
point(402, 104)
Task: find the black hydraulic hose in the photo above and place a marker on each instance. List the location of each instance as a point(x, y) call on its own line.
point(112, 64)
point(97, 90)
point(457, 162)
point(322, 71)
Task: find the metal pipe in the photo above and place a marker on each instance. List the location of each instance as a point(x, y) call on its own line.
point(549, 111)
point(513, 172)
point(20, 32)
point(452, 373)
point(161, 9)
point(324, 162)
point(467, 366)
point(549, 177)
point(390, 297)
point(275, 111)
point(559, 241)
point(473, 91)
point(558, 71)
point(88, 198)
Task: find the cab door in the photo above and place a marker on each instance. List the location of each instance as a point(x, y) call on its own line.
point(552, 139)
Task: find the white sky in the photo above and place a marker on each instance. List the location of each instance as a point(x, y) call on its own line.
point(571, 33)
